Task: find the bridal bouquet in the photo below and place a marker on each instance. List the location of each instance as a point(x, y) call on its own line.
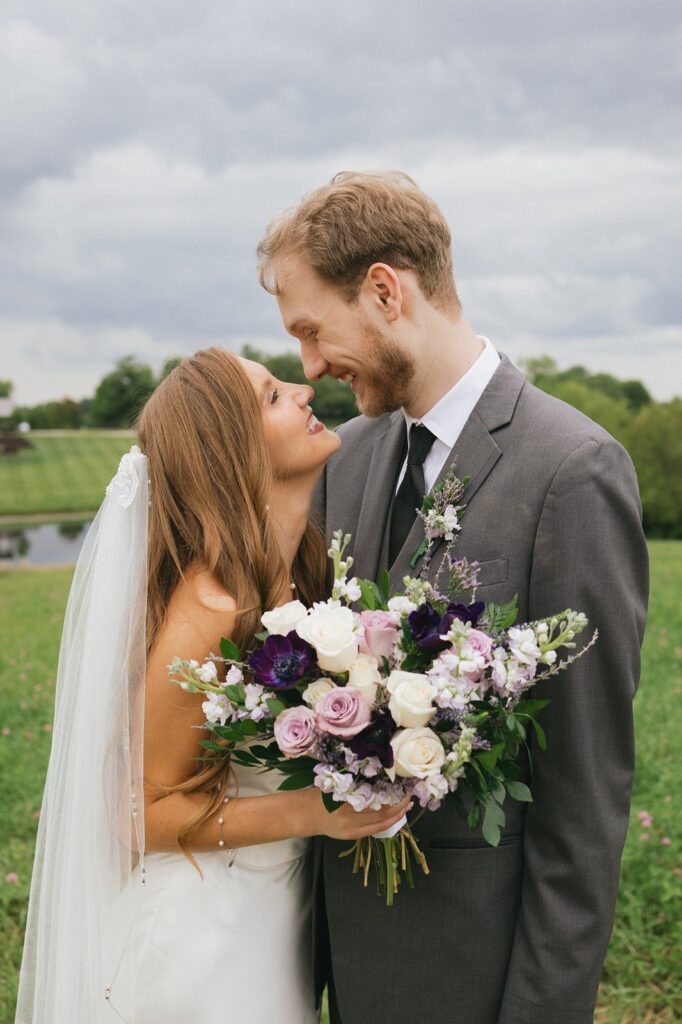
point(416, 693)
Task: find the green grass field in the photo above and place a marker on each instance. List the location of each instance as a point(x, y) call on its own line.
point(63, 472)
point(641, 977)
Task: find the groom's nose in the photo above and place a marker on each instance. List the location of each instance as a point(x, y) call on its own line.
point(314, 366)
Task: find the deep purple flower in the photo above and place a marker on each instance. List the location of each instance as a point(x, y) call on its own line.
point(426, 626)
point(282, 661)
point(469, 613)
point(375, 740)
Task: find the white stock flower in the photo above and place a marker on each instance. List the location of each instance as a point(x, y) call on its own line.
point(411, 702)
point(282, 620)
point(217, 708)
point(315, 691)
point(364, 676)
point(400, 606)
point(350, 589)
point(523, 645)
point(234, 675)
point(208, 673)
point(418, 753)
point(330, 629)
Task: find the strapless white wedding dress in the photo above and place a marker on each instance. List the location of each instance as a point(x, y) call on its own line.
point(235, 947)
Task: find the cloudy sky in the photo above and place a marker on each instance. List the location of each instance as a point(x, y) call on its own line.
point(145, 146)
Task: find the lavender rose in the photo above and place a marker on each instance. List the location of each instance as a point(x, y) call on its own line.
point(380, 634)
point(342, 712)
point(295, 731)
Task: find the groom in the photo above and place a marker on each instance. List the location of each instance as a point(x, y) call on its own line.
point(516, 934)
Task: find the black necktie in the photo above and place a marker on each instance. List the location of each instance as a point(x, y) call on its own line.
point(410, 494)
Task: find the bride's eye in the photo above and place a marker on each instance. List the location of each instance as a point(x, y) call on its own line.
point(274, 396)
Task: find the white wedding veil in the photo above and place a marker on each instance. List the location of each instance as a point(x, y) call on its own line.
point(88, 876)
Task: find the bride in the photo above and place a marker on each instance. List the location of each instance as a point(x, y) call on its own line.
point(169, 887)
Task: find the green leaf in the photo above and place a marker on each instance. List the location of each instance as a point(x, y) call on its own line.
point(262, 637)
point(502, 616)
point(330, 803)
point(539, 734)
point(299, 781)
point(371, 595)
point(529, 707)
point(419, 553)
point(498, 791)
point(488, 758)
point(229, 650)
point(385, 586)
point(474, 819)
point(519, 791)
point(248, 727)
point(493, 820)
point(276, 706)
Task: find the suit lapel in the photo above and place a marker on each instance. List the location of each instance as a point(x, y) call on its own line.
point(377, 498)
point(474, 454)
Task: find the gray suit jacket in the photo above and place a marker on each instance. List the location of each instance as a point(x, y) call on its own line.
point(516, 934)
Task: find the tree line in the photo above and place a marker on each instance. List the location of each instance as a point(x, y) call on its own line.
point(651, 431)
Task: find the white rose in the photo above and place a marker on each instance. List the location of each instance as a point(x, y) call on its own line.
point(331, 631)
point(364, 676)
point(412, 697)
point(418, 753)
point(284, 619)
point(315, 691)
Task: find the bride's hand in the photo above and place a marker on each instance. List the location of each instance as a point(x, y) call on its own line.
point(346, 823)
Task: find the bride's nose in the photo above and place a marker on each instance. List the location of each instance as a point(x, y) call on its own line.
point(305, 395)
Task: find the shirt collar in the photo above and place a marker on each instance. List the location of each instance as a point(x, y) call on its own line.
point(444, 418)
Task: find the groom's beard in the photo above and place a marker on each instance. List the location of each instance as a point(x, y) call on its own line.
point(387, 374)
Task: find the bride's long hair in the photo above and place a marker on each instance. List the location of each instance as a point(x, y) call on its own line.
point(210, 484)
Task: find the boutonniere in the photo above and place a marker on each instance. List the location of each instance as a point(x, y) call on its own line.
point(441, 513)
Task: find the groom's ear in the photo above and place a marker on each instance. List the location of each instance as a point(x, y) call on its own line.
point(383, 291)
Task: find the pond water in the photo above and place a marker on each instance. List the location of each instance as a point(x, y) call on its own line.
point(46, 544)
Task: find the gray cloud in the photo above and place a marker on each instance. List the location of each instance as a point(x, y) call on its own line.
point(149, 146)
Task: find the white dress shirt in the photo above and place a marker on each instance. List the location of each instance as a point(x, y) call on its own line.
point(447, 417)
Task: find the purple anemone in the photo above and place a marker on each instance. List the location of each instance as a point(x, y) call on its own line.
point(469, 613)
point(375, 740)
point(282, 661)
point(427, 625)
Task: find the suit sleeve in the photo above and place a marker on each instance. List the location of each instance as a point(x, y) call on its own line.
point(589, 555)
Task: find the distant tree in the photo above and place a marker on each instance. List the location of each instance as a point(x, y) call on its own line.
point(656, 449)
point(169, 366)
point(65, 414)
point(612, 414)
point(543, 371)
point(122, 393)
point(6, 388)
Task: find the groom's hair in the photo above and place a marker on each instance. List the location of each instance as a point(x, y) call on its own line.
point(356, 220)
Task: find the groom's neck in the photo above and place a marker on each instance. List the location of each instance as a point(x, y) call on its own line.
point(444, 352)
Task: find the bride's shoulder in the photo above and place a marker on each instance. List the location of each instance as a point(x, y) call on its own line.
point(200, 611)
point(206, 591)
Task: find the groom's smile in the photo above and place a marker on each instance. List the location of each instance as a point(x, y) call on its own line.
point(341, 339)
